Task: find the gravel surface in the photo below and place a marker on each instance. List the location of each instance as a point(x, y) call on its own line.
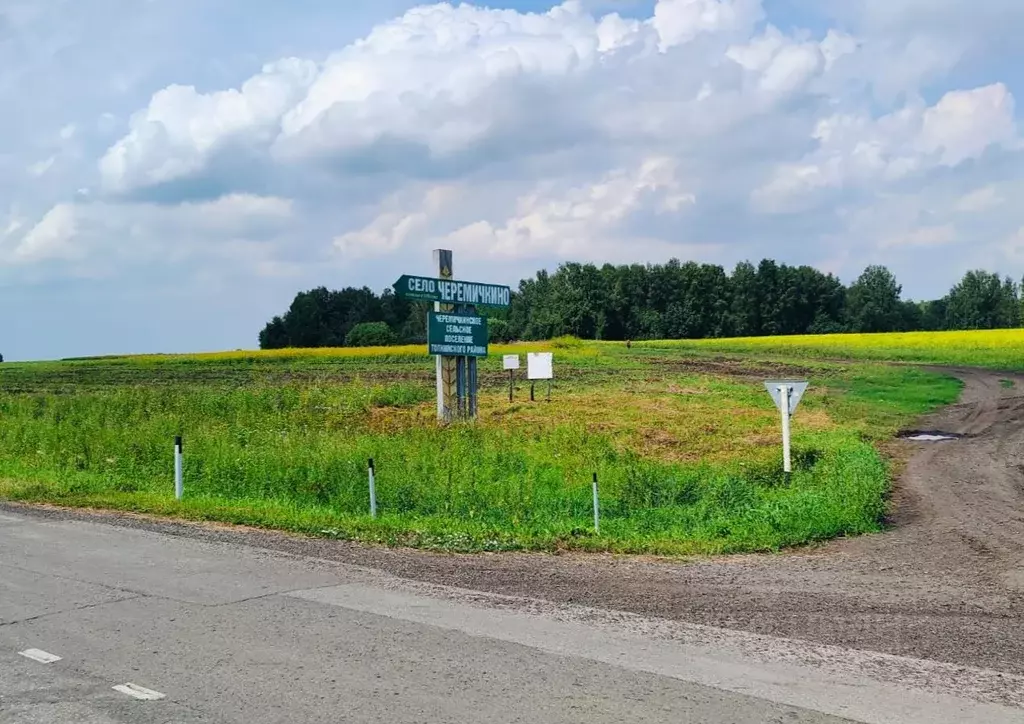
point(946, 583)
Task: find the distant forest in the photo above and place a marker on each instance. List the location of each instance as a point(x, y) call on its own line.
point(661, 301)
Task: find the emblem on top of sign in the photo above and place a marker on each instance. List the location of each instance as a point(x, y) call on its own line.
point(796, 392)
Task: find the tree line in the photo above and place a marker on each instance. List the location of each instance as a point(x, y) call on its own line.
point(676, 300)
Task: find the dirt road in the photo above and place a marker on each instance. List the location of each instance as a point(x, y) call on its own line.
point(946, 583)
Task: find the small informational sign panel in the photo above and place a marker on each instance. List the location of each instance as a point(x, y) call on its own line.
point(511, 362)
point(448, 291)
point(457, 335)
point(540, 366)
point(796, 392)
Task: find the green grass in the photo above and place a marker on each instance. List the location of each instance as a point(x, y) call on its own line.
point(686, 450)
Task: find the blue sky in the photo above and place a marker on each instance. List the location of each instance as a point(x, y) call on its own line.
point(173, 171)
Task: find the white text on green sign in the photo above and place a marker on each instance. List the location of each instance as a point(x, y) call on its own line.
point(458, 330)
point(452, 292)
point(457, 335)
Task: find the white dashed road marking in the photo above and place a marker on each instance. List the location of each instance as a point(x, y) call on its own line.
point(41, 656)
point(139, 692)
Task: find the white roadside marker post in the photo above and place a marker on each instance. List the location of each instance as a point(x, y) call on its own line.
point(787, 461)
point(597, 513)
point(373, 492)
point(179, 482)
point(787, 395)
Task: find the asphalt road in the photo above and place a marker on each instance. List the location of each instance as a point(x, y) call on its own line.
point(223, 632)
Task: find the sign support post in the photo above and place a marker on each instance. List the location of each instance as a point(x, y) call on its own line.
point(447, 367)
point(511, 363)
point(471, 363)
point(179, 480)
point(787, 395)
point(787, 460)
point(373, 490)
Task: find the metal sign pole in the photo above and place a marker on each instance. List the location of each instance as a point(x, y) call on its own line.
point(787, 395)
point(460, 376)
point(469, 401)
point(447, 367)
point(473, 396)
point(787, 463)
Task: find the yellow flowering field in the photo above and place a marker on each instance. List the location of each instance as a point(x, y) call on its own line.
point(999, 349)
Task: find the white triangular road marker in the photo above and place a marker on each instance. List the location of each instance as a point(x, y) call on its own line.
point(796, 392)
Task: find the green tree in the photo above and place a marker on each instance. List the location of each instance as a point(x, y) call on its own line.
point(826, 305)
point(580, 301)
point(499, 330)
point(395, 311)
point(912, 317)
point(982, 301)
point(323, 318)
point(873, 302)
point(532, 313)
point(274, 335)
point(745, 307)
point(371, 334)
point(933, 315)
point(768, 297)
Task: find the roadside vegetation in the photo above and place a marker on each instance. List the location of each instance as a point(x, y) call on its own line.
point(685, 444)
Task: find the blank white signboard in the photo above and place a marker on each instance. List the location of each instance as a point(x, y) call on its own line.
point(511, 362)
point(540, 366)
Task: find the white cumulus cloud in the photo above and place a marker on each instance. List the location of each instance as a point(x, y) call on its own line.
point(181, 128)
point(835, 133)
point(858, 149)
point(52, 237)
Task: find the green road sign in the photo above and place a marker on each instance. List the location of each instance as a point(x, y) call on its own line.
point(448, 291)
point(457, 335)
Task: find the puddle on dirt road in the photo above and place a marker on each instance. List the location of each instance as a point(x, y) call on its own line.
point(929, 436)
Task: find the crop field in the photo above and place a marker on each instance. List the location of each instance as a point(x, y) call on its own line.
point(1001, 349)
point(682, 435)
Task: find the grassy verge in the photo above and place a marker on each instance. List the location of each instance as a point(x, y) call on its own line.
point(686, 451)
